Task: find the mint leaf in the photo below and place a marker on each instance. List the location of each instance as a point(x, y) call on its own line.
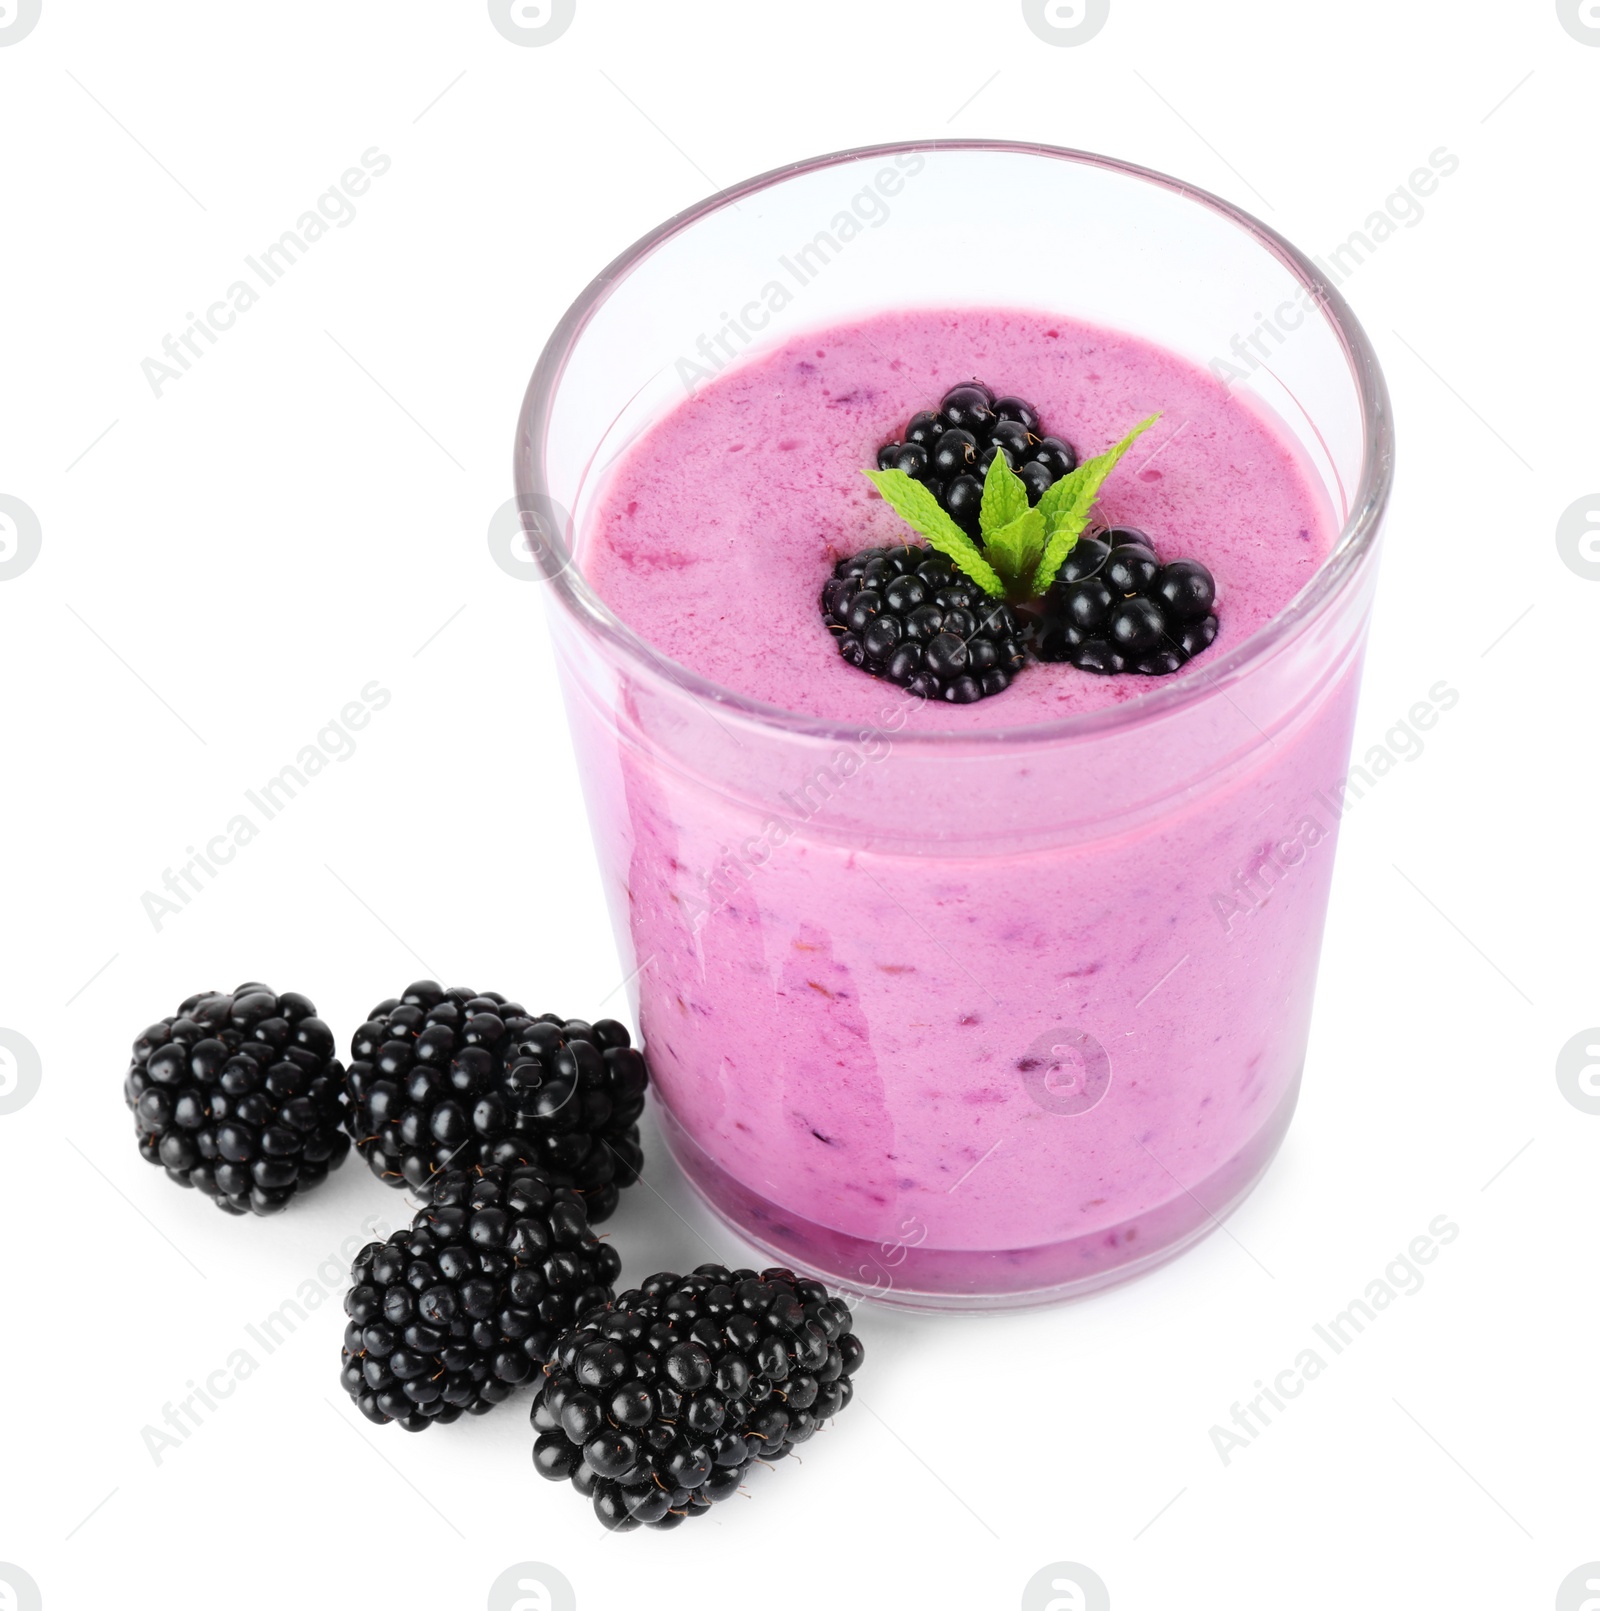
point(1066, 505)
point(920, 509)
point(1078, 490)
point(1005, 498)
point(1014, 550)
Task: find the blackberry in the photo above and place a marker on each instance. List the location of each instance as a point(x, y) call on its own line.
point(949, 447)
point(907, 615)
point(442, 1078)
point(241, 1097)
point(1115, 607)
point(457, 1312)
point(654, 1406)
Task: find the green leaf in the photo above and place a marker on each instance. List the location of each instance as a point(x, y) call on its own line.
point(1005, 498)
point(1014, 550)
point(1066, 505)
point(920, 509)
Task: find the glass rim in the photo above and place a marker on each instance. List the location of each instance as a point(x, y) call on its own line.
point(1336, 574)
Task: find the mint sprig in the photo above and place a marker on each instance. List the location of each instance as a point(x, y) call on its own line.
point(1015, 548)
point(1023, 548)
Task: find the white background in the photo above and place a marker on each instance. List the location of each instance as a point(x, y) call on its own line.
point(222, 569)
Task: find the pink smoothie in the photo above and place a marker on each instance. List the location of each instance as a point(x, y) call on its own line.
point(753, 487)
point(973, 1016)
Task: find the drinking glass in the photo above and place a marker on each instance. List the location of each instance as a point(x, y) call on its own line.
point(1115, 1072)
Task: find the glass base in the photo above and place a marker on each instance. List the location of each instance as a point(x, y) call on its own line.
point(971, 1281)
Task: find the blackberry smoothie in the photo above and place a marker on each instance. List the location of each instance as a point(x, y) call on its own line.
point(1021, 1028)
point(717, 531)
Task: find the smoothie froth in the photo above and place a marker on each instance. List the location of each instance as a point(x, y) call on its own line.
point(721, 524)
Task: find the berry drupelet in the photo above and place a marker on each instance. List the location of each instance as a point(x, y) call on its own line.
point(949, 449)
point(454, 1314)
point(1115, 607)
point(442, 1078)
point(240, 1096)
point(654, 1406)
point(907, 615)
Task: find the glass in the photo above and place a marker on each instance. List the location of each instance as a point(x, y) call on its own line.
point(1125, 1076)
